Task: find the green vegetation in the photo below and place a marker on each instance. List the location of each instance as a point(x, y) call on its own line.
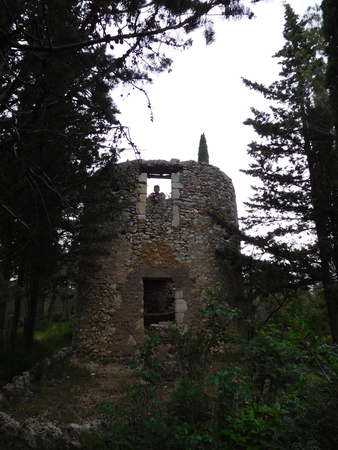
point(46, 343)
point(282, 393)
point(277, 391)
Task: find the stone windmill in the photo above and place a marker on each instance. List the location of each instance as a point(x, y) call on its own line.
point(163, 260)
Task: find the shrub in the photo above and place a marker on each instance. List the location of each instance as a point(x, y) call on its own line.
point(282, 395)
point(195, 345)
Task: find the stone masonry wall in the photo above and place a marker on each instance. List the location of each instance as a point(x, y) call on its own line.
point(174, 239)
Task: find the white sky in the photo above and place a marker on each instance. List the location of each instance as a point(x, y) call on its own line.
point(204, 93)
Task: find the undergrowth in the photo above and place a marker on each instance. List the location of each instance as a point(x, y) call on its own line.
point(283, 394)
point(46, 343)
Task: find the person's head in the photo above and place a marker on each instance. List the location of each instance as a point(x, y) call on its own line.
point(156, 188)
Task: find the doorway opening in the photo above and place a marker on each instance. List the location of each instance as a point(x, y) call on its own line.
point(159, 300)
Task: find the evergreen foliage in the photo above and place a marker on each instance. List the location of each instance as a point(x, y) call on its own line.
point(203, 155)
point(295, 164)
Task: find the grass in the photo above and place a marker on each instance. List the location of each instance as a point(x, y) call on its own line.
point(46, 343)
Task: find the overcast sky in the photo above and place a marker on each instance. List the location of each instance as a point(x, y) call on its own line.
point(204, 93)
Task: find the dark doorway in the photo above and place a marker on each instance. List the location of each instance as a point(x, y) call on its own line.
point(159, 301)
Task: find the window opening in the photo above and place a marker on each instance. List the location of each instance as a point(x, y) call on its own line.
point(164, 183)
point(159, 301)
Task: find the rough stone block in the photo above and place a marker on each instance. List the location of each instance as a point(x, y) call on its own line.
point(179, 317)
point(176, 185)
point(141, 189)
point(143, 178)
point(8, 426)
point(175, 177)
point(176, 216)
point(140, 208)
point(109, 329)
point(139, 324)
point(178, 294)
point(131, 340)
point(175, 194)
point(180, 306)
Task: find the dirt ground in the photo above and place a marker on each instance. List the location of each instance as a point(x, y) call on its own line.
point(107, 381)
point(71, 391)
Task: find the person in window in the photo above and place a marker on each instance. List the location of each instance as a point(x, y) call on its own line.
point(157, 195)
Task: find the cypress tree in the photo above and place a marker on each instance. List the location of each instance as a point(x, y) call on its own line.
point(296, 162)
point(203, 155)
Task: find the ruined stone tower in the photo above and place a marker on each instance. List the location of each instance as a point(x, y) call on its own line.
point(163, 259)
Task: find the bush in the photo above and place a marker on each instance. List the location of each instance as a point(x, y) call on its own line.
point(195, 345)
point(282, 395)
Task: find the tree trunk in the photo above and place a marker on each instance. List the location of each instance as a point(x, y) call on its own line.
point(32, 302)
point(41, 306)
point(4, 297)
point(52, 303)
point(330, 289)
point(322, 192)
point(17, 305)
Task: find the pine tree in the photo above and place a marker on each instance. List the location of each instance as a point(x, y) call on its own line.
point(203, 155)
point(295, 162)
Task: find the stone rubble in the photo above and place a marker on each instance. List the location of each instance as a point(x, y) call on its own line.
point(32, 434)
